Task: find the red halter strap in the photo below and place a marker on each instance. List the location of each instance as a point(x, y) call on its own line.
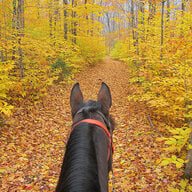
point(99, 124)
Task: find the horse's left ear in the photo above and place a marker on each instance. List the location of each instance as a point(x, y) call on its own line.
point(104, 97)
point(76, 98)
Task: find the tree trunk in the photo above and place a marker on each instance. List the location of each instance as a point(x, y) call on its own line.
point(142, 19)
point(14, 15)
point(2, 56)
point(2, 59)
point(188, 167)
point(141, 8)
point(137, 39)
point(65, 19)
point(74, 24)
point(92, 21)
point(137, 35)
point(4, 50)
point(14, 27)
point(162, 30)
point(20, 27)
point(109, 31)
point(132, 19)
point(86, 16)
point(183, 6)
point(38, 13)
point(50, 19)
point(22, 16)
point(152, 9)
point(56, 12)
point(168, 10)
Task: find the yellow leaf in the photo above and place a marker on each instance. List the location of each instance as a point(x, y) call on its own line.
point(165, 162)
point(179, 164)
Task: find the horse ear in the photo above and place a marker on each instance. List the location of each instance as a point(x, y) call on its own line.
point(104, 97)
point(76, 98)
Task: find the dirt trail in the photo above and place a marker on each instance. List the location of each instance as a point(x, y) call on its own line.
point(136, 151)
point(33, 149)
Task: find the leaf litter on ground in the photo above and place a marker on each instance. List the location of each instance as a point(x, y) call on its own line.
point(33, 143)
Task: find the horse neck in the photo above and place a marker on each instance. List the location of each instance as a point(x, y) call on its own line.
point(85, 166)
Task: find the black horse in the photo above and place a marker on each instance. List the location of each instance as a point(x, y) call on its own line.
point(88, 156)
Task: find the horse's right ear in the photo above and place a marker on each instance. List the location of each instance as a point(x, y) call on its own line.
point(104, 97)
point(76, 98)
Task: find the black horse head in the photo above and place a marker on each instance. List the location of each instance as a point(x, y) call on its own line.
point(98, 110)
point(88, 155)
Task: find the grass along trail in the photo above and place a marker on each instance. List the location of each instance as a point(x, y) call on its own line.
point(32, 144)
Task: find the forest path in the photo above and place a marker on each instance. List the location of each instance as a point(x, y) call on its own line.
point(34, 148)
point(136, 150)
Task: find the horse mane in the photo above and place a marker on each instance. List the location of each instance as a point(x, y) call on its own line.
point(79, 171)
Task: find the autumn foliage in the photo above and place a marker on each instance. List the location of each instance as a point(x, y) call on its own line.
point(158, 49)
point(46, 42)
point(42, 42)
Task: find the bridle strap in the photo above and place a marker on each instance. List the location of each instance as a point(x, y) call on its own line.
point(101, 125)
